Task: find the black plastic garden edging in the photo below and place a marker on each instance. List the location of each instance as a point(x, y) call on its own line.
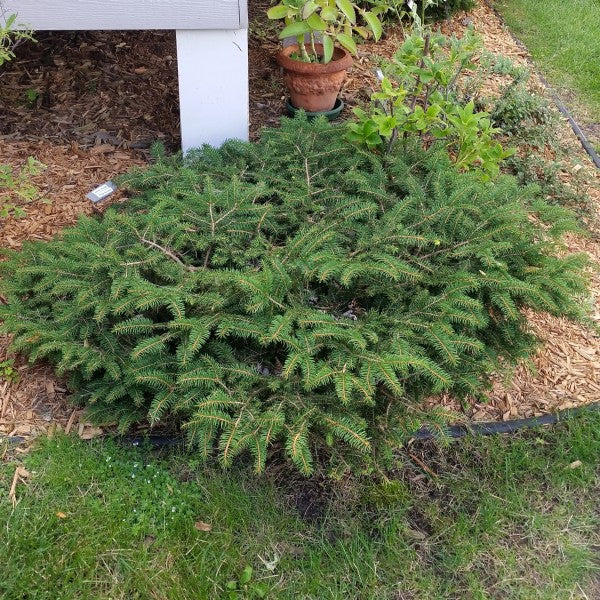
point(425, 433)
point(574, 125)
point(496, 427)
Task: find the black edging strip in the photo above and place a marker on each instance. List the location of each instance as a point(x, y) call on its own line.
point(425, 433)
point(555, 97)
point(495, 427)
point(574, 125)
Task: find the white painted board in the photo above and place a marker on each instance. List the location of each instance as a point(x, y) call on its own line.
point(213, 94)
point(58, 15)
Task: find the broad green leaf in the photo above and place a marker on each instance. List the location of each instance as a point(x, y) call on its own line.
point(364, 33)
point(316, 23)
point(294, 30)
point(370, 127)
point(360, 113)
point(374, 24)
point(246, 575)
point(387, 126)
point(346, 7)
point(327, 48)
point(277, 12)
point(308, 9)
point(347, 41)
point(329, 13)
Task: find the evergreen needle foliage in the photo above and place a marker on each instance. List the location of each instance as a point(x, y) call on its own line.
point(298, 292)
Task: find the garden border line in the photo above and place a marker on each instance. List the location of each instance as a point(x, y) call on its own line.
point(496, 427)
point(425, 433)
point(574, 125)
point(555, 97)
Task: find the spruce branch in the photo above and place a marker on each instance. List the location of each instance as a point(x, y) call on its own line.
point(170, 254)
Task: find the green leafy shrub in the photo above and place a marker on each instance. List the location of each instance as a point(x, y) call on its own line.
point(331, 22)
point(417, 11)
point(10, 37)
point(387, 11)
point(525, 119)
point(298, 292)
point(419, 97)
point(524, 115)
point(528, 120)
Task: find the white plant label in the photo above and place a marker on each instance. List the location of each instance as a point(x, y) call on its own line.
point(101, 192)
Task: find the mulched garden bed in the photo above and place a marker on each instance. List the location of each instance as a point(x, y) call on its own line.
point(101, 98)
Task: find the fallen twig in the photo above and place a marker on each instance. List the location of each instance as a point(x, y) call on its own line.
point(422, 465)
point(170, 254)
point(20, 474)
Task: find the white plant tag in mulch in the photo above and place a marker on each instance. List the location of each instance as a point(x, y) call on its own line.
point(101, 192)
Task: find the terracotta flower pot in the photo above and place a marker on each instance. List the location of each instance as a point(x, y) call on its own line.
point(314, 86)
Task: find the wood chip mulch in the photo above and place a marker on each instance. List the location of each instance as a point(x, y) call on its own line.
point(118, 88)
point(104, 96)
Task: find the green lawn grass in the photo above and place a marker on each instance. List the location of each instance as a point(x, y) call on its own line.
point(502, 518)
point(564, 39)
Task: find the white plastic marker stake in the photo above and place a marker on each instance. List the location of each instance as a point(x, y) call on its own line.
point(379, 74)
point(101, 192)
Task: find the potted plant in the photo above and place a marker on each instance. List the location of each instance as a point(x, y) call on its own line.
point(315, 67)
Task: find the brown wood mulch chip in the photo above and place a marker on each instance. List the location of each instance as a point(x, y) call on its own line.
point(104, 96)
point(117, 88)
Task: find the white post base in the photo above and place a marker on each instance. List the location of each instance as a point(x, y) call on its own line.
point(213, 86)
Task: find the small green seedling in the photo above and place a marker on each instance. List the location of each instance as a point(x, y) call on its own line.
point(31, 97)
point(11, 35)
point(8, 371)
point(245, 588)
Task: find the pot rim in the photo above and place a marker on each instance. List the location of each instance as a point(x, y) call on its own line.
point(341, 63)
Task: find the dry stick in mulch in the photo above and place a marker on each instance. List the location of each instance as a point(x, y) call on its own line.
point(4, 403)
point(423, 466)
point(20, 475)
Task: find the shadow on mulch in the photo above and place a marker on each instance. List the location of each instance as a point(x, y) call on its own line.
point(117, 87)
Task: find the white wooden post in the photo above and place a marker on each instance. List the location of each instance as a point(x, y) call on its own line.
point(213, 86)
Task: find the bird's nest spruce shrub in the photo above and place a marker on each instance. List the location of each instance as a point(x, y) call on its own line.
point(297, 294)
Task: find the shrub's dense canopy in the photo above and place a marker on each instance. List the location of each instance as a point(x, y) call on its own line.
point(298, 290)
